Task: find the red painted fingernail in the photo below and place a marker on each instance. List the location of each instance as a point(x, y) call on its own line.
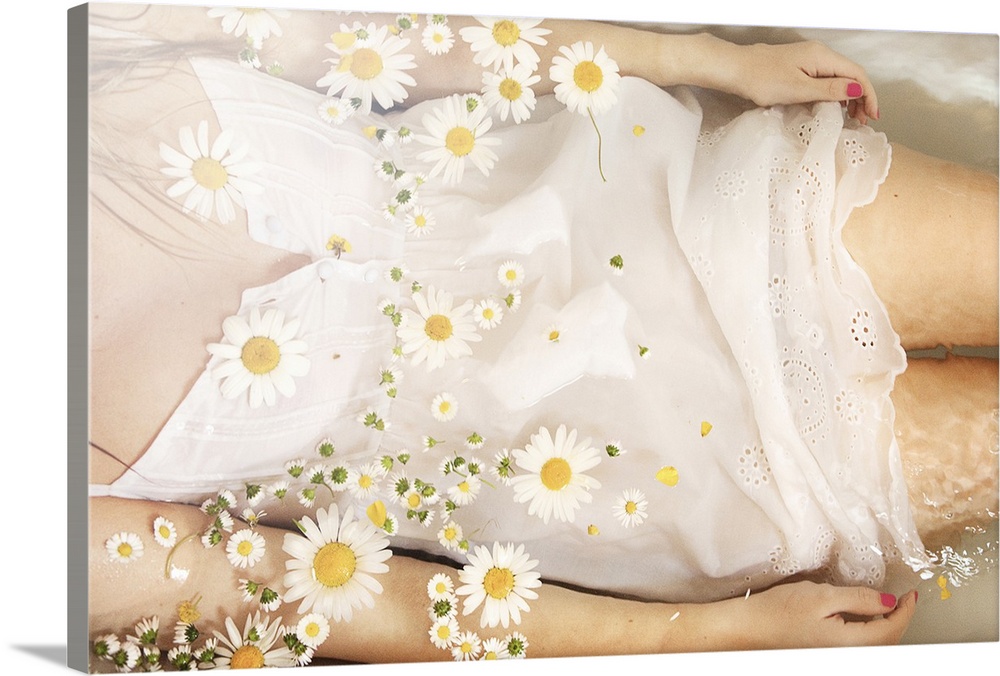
point(916, 595)
point(888, 600)
point(854, 90)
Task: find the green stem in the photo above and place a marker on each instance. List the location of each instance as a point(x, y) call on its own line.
point(170, 554)
point(599, 143)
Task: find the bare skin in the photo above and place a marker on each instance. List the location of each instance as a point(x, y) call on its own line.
point(194, 278)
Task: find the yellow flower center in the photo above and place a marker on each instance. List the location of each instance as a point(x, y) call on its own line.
point(490, 656)
point(209, 173)
point(449, 534)
point(506, 33)
point(365, 63)
point(420, 220)
point(438, 327)
point(365, 481)
point(164, 532)
point(638, 130)
point(511, 275)
point(466, 647)
point(413, 501)
point(630, 507)
point(444, 406)
point(247, 657)
point(464, 486)
point(588, 76)
point(244, 548)
point(498, 582)
point(333, 111)
point(125, 550)
point(554, 335)
point(555, 474)
point(312, 630)
point(441, 587)
point(510, 89)
point(250, 10)
point(260, 355)
point(459, 141)
point(443, 632)
point(488, 313)
point(334, 564)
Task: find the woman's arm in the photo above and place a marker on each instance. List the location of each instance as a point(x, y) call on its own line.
point(561, 622)
point(765, 74)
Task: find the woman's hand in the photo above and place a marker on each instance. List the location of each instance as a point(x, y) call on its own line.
point(809, 615)
point(802, 72)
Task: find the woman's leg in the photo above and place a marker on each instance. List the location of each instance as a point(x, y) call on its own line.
point(929, 244)
point(946, 425)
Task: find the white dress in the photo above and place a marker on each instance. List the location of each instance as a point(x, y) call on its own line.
point(740, 345)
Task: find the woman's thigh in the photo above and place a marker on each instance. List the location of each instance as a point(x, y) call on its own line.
point(929, 244)
point(946, 426)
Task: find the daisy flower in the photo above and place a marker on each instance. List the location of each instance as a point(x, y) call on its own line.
point(440, 586)
point(419, 221)
point(124, 547)
point(447, 606)
point(444, 407)
point(335, 110)
point(437, 39)
point(449, 536)
point(396, 273)
point(466, 647)
point(511, 274)
point(333, 564)
point(502, 467)
point(437, 330)
point(456, 134)
point(279, 489)
point(258, 24)
point(254, 648)
point(362, 482)
point(164, 532)
point(494, 649)
point(509, 92)
point(180, 657)
point(444, 632)
point(372, 67)
point(488, 313)
point(517, 645)
point(248, 589)
point(554, 481)
point(513, 300)
point(498, 42)
point(261, 354)
point(552, 333)
point(212, 176)
point(614, 448)
point(500, 581)
point(474, 442)
point(586, 82)
point(295, 467)
point(146, 631)
point(617, 265)
point(312, 630)
point(307, 496)
point(466, 491)
point(245, 548)
point(630, 507)
point(270, 600)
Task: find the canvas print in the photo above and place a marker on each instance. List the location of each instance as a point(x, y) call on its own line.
point(423, 337)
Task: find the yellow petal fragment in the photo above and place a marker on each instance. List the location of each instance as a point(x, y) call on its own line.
point(638, 130)
point(706, 427)
point(667, 476)
point(343, 40)
point(942, 582)
point(376, 512)
point(369, 132)
point(593, 530)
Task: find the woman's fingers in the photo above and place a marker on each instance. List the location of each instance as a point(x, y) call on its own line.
point(886, 630)
point(860, 601)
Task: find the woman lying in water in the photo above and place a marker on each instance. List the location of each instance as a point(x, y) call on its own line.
point(354, 282)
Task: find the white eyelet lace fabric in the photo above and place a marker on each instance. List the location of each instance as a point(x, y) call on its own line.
point(820, 362)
